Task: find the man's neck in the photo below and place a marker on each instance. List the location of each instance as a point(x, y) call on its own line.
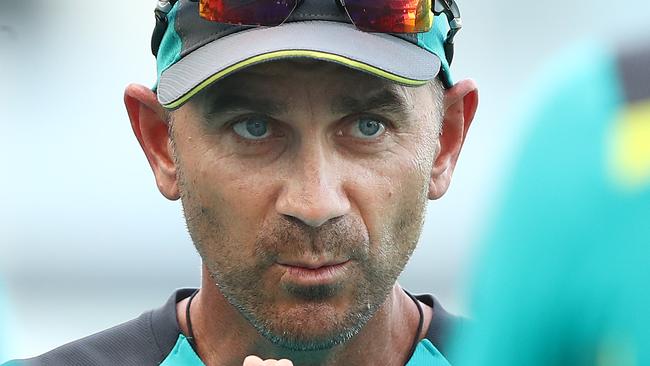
point(224, 337)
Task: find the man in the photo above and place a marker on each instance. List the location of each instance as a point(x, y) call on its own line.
point(304, 152)
point(563, 279)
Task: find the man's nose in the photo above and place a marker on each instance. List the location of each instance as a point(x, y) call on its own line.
point(313, 192)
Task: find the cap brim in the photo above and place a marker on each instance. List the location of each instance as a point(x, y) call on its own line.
point(379, 54)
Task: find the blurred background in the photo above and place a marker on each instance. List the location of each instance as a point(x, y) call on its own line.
point(87, 241)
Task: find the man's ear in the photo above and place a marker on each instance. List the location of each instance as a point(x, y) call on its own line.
point(460, 103)
point(149, 123)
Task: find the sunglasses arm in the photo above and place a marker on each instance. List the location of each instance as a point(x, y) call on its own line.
point(162, 9)
point(452, 12)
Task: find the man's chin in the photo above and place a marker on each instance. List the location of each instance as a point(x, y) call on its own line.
point(315, 293)
point(304, 340)
point(311, 327)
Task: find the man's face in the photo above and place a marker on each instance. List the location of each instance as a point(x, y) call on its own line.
point(304, 187)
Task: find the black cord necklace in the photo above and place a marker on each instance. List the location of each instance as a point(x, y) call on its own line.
point(416, 340)
point(190, 332)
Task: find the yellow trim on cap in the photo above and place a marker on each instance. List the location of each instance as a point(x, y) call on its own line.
point(294, 53)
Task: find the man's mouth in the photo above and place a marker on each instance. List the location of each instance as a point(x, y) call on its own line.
point(313, 273)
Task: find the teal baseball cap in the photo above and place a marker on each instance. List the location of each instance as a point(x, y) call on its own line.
point(192, 53)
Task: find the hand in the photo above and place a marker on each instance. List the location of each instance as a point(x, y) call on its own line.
point(256, 361)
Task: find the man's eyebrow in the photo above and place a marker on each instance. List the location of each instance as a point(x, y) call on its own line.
point(233, 102)
point(387, 100)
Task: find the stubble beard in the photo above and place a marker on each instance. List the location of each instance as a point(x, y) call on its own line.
point(377, 267)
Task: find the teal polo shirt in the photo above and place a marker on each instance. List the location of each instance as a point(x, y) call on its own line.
point(426, 354)
point(155, 338)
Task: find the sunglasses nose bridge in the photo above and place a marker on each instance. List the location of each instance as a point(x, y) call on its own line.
point(293, 11)
point(343, 9)
point(341, 5)
point(326, 10)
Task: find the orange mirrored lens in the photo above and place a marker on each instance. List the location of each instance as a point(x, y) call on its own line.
point(391, 16)
point(247, 12)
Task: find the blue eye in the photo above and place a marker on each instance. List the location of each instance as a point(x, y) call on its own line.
point(368, 128)
point(254, 128)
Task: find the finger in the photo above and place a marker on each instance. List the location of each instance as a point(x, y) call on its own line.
point(253, 361)
point(284, 362)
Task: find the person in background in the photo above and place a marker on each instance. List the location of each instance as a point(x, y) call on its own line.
point(564, 276)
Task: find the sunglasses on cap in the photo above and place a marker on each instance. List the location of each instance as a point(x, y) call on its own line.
point(388, 16)
point(380, 16)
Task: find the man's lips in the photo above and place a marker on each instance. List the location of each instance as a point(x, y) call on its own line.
point(311, 273)
point(311, 264)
